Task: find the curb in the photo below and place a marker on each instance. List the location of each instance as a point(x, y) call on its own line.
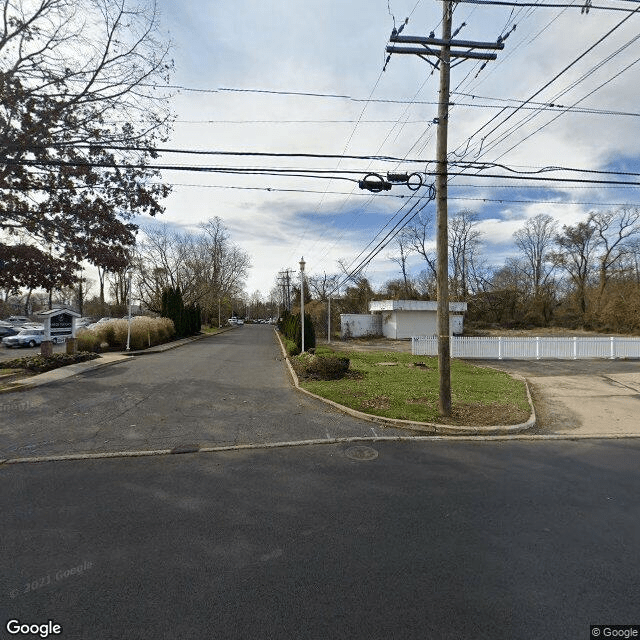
point(70, 457)
point(423, 427)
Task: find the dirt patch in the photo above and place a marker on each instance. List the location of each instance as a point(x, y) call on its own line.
point(379, 402)
point(485, 415)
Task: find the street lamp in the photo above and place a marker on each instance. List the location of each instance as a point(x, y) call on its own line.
point(302, 263)
point(130, 274)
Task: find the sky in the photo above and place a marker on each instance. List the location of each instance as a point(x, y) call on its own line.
point(242, 66)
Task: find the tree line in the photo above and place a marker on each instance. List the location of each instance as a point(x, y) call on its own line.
point(585, 275)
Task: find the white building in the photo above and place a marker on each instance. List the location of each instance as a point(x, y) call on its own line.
point(401, 319)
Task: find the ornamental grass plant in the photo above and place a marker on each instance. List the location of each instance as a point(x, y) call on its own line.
point(112, 335)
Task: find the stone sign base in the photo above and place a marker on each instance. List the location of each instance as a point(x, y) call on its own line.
point(72, 346)
point(46, 348)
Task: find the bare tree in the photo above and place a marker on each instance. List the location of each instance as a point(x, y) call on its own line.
point(403, 248)
point(615, 231)
point(426, 285)
point(536, 241)
point(421, 236)
point(207, 267)
point(464, 250)
point(322, 286)
point(578, 245)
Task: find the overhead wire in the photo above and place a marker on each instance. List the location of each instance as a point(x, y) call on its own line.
point(552, 80)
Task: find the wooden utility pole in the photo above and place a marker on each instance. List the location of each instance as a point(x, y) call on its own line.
point(442, 49)
point(442, 233)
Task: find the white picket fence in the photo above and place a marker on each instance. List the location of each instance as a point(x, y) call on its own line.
point(497, 348)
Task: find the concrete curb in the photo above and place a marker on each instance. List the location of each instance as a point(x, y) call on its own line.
point(423, 427)
point(307, 443)
point(71, 370)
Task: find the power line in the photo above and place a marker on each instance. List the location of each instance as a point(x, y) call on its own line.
point(558, 202)
point(560, 73)
point(507, 3)
point(531, 173)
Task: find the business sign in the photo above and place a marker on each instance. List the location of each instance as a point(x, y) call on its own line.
point(62, 321)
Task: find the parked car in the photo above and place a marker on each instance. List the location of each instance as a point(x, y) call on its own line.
point(17, 320)
point(8, 330)
point(25, 338)
point(95, 325)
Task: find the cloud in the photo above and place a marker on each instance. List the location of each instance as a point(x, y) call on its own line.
point(326, 46)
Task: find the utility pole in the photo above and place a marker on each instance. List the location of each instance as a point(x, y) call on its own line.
point(288, 290)
point(285, 283)
point(442, 225)
point(443, 51)
point(302, 263)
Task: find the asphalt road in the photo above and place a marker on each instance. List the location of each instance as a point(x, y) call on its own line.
point(20, 352)
point(443, 540)
point(227, 389)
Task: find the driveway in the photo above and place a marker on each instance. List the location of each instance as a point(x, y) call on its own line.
point(226, 389)
point(581, 397)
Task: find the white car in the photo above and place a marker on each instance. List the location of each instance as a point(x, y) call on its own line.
point(27, 337)
point(17, 320)
point(95, 325)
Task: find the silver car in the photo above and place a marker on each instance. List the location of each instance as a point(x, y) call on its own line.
point(27, 337)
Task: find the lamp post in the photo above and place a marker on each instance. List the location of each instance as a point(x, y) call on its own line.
point(130, 274)
point(302, 263)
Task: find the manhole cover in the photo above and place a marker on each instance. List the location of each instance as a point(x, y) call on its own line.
point(361, 453)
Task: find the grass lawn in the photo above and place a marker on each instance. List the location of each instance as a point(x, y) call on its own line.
point(403, 386)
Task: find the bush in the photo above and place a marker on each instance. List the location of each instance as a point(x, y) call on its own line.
point(291, 327)
point(291, 347)
point(40, 364)
point(329, 367)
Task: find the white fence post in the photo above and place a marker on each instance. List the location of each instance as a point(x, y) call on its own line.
point(613, 349)
point(537, 348)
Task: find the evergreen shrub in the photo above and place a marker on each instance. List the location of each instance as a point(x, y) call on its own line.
point(329, 367)
point(291, 327)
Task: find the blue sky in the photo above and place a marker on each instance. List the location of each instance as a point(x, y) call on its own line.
point(334, 47)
